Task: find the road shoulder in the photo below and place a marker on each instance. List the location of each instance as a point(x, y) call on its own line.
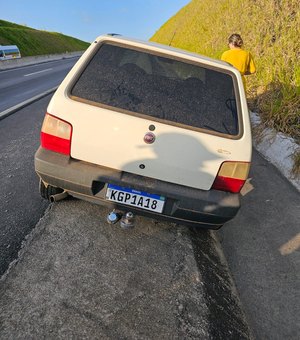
point(78, 277)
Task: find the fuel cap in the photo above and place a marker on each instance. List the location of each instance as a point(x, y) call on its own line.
point(149, 138)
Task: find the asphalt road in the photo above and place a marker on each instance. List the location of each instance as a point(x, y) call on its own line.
point(262, 247)
point(22, 83)
point(20, 202)
point(75, 270)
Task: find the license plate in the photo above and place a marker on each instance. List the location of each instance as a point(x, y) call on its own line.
point(135, 198)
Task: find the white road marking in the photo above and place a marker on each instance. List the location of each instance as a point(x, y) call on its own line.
point(30, 74)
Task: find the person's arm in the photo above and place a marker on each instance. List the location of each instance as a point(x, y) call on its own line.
point(251, 66)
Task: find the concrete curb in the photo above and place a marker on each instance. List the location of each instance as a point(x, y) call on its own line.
point(277, 148)
point(19, 106)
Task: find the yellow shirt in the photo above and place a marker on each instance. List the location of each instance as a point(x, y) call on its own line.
point(241, 60)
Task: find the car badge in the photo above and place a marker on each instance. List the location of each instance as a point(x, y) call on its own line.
point(149, 138)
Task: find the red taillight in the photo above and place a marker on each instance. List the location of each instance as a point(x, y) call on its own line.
point(56, 135)
point(228, 184)
point(231, 176)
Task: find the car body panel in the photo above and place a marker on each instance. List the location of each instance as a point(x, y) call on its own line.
point(198, 208)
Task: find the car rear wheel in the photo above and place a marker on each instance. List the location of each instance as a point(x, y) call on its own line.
point(48, 191)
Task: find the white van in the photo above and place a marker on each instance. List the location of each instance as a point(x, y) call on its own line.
point(148, 129)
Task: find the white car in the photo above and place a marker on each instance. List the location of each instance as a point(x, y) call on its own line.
point(148, 129)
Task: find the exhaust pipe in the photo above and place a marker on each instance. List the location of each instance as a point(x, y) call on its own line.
point(58, 197)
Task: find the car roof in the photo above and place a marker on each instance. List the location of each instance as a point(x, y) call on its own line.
point(8, 47)
point(166, 49)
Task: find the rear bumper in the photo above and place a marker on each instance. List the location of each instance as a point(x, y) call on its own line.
point(207, 209)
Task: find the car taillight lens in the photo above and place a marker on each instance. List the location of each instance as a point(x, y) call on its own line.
point(56, 135)
point(232, 176)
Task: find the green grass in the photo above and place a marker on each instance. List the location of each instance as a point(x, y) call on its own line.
point(4, 23)
point(33, 42)
point(270, 30)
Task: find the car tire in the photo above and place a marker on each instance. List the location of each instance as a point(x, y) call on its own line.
point(47, 191)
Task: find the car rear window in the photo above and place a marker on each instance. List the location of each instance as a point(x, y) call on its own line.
point(163, 88)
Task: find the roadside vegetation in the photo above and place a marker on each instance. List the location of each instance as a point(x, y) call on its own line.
point(270, 30)
point(33, 42)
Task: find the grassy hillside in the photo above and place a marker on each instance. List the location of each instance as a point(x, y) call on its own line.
point(270, 30)
point(35, 42)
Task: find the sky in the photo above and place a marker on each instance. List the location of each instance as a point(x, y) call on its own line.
point(87, 19)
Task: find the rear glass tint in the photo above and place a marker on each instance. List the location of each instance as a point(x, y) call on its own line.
point(160, 87)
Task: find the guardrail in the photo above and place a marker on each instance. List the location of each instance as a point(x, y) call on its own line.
point(24, 61)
